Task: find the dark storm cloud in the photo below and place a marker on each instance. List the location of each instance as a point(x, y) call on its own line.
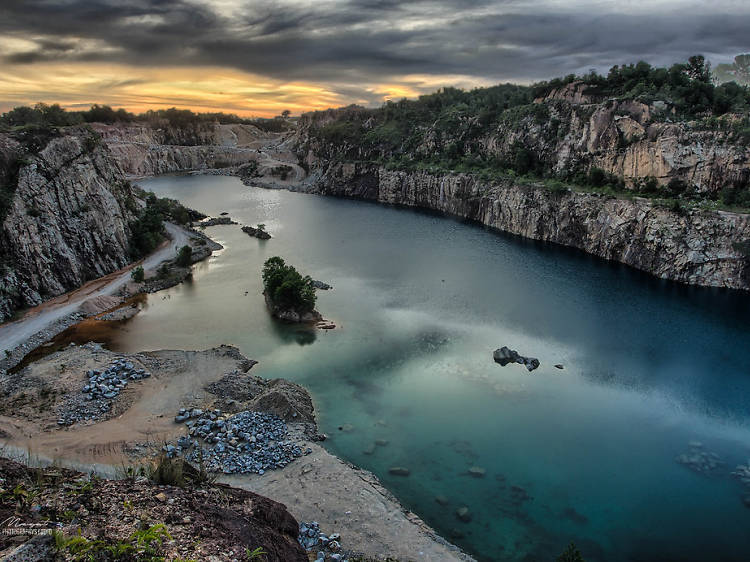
point(366, 41)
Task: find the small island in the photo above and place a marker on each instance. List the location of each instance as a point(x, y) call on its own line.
point(259, 231)
point(289, 296)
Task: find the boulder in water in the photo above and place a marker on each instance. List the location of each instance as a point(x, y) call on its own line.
point(442, 500)
point(505, 355)
point(321, 285)
point(257, 232)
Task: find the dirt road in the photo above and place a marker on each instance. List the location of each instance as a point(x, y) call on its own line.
point(37, 319)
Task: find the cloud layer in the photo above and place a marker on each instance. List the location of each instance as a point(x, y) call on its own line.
point(363, 50)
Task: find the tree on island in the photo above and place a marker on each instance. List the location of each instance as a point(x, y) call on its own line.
point(286, 287)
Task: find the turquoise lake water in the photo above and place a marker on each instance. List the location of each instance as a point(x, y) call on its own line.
point(584, 454)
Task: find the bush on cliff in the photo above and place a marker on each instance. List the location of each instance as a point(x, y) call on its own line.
point(286, 287)
point(185, 256)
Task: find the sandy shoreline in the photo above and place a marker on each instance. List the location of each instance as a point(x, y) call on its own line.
point(341, 497)
point(318, 486)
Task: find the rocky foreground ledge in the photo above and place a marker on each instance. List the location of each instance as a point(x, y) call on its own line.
point(129, 432)
point(74, 516)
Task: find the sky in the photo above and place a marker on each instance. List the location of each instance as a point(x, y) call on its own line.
point(258, 58)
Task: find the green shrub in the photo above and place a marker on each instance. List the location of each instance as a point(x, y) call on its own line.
point(185, 256)
point(286, 288)
point(147, 232)
point(137, 274)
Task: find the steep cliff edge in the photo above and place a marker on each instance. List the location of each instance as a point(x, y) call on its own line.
point(695, 247)
point(443, 153)
point(67, 217)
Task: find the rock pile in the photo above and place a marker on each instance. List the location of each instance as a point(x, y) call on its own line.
point(505, 355)
point(95, 400)
point(328, 546)
point(113, 380)
point(242, 443)
point(78, 410)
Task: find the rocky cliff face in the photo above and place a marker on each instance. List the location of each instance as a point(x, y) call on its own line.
point(141, 150)
point(626, 139)
point(67, 220)
point(566, 132)
point(695, 247)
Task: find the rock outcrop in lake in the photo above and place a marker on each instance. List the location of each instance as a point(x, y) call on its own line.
point(256, 232)
point(504, 356)
point(66, 220)
point(290, 297)
point(292, 315)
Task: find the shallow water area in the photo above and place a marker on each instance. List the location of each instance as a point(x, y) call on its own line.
point(584, 454)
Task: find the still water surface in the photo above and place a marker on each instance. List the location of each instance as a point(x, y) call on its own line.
point(585, 454)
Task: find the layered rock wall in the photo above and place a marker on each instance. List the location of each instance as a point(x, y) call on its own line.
point(141, 150)
point(67, 221)
point(694, 247)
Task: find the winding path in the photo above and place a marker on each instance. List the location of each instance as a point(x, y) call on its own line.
point(13, 334)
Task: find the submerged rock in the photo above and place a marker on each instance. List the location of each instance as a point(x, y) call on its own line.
point(463, 514)
point(699, 460)
point(742, 473)
point(477, 472)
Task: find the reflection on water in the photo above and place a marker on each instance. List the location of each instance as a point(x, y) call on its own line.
point(90, 329)
point(586, 453)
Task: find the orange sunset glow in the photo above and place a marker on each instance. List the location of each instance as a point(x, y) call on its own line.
point(260, 58)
